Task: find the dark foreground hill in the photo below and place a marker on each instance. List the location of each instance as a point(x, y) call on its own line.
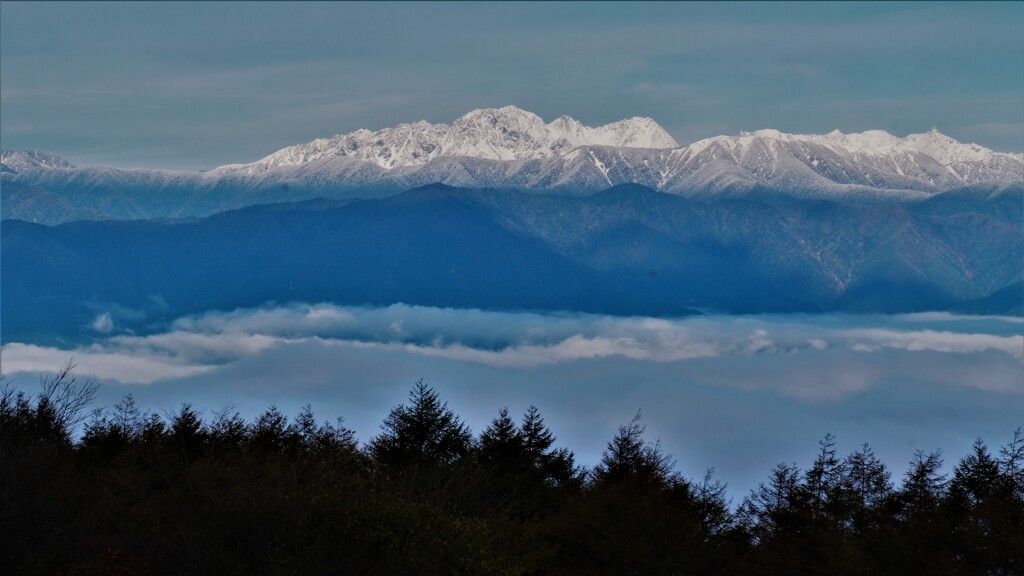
point(627, 250)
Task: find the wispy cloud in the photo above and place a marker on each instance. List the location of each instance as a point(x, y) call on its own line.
point(521, 341)
point(735, 392)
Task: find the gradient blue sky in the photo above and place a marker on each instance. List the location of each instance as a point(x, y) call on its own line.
point(196, 85)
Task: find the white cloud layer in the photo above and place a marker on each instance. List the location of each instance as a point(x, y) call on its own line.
point(521, 341)
point(738, 393)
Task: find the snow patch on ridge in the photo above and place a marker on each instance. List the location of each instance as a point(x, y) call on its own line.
point(18, 160)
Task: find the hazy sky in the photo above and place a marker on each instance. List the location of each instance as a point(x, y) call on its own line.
point(196, 85)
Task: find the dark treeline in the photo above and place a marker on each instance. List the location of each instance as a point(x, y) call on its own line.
point(143, 493)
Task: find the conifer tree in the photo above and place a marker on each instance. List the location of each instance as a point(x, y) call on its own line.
point(1011, 463)
point(823, 479)
point(537, 438)
point(557, 465)
point(770, 510)
point(923, 486)
point(423, 433)
point(976, 477)
point(128, 417)
point(631, 458)
point(187, 432)
point(228, 430)
point(501, 444)
point(272, 431)
point(866, 487)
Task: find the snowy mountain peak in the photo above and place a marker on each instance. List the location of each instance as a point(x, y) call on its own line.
point(566, 123)
point(509, 147)
point(934, 144)
point(18, 160)
point(500, 116)
point(512, 147)
point(945, 149)
point(507, 133)
point(638, 132)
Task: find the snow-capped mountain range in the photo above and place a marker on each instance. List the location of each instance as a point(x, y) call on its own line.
point(507, 133)
point(515, 149)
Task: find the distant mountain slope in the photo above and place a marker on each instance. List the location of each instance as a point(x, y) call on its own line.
point(44, 207)
point(1009, 301)
point(510, 148)
point(626, 250)
point(745, 256)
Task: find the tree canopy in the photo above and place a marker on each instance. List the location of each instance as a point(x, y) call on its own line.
point(196, 492)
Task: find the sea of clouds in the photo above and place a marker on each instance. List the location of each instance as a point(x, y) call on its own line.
point(738, 393)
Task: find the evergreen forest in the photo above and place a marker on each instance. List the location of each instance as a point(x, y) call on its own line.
point(122, 491)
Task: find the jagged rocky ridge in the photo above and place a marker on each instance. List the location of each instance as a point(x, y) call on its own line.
point(509, 148)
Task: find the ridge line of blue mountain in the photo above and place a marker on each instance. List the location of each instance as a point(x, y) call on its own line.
point(628, 250)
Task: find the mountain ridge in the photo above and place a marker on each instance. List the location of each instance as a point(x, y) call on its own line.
point(507, 133)
point(624, 251)
point(510, 148)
